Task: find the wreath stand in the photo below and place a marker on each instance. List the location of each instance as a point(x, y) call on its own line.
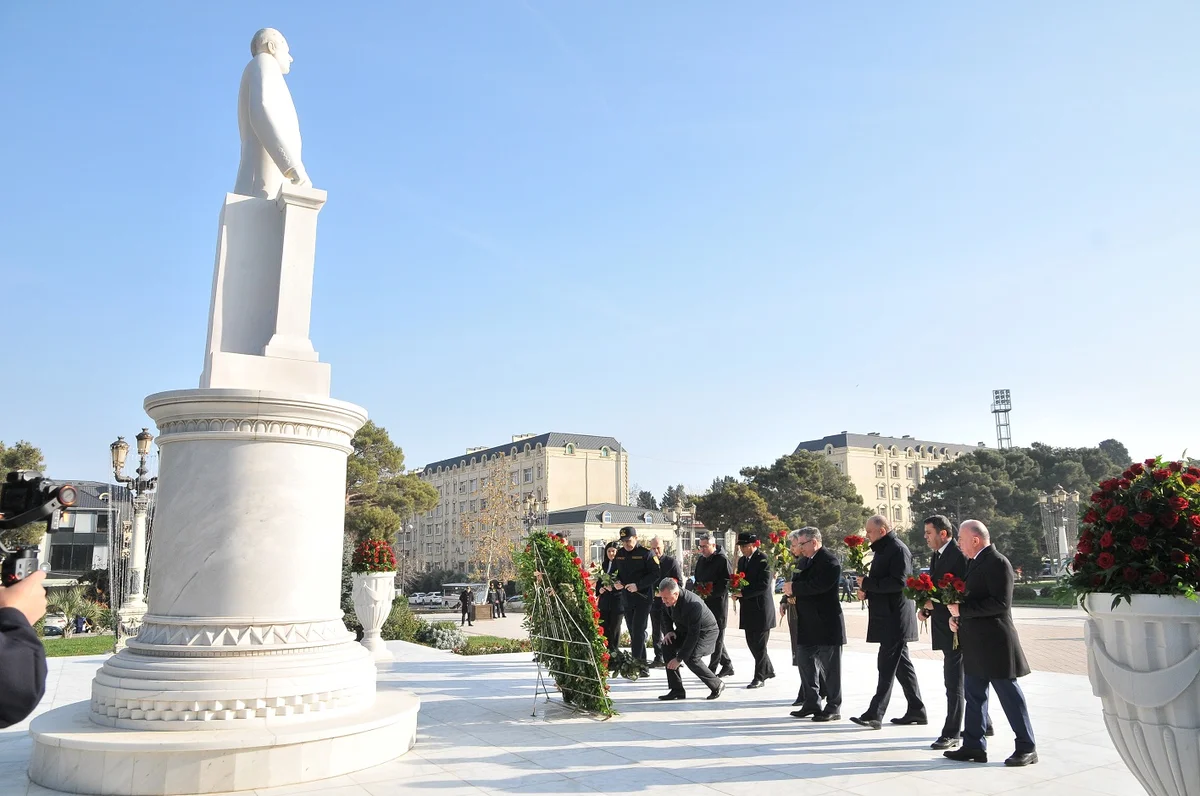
point(562, 631)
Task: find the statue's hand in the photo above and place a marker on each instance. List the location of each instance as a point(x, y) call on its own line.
point(298, 176)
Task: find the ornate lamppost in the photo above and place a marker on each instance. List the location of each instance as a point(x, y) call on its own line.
point(1060, 523)
point(534, 511)
point(133, 607)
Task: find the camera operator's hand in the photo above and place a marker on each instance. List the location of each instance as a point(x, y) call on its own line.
point(27, 595)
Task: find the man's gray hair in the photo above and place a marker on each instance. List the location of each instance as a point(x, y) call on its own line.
point(879, 521)
point(807, 532)
point(652, 540)
point(976, 527)
point(668, 584)
point(261, 38)
point(704, 536)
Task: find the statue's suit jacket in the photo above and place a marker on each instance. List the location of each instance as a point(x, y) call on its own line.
point(269, 128)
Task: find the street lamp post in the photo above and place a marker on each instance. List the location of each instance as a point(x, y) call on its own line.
point(1059, 510)
point(133, 606)
point(534, 510)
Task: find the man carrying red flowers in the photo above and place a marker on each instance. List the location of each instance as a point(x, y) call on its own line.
point(992, 655)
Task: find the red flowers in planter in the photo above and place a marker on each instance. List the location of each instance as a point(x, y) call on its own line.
point(1142, 535)
point(373, 555)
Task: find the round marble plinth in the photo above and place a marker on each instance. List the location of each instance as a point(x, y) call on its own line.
point(71, 753)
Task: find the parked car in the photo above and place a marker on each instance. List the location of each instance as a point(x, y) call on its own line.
point(57, 621)
point(51, 630)
point(516, 603)
point(417, 599)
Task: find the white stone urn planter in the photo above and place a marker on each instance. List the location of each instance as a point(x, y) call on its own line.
point(1144, 664)
point(373, 594)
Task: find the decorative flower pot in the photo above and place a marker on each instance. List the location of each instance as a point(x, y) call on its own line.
point(373, 595)
point(1144, 664)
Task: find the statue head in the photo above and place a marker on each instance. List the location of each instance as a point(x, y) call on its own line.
point(271, 42)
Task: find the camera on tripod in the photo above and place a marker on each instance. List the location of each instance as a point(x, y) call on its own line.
point(25, 497)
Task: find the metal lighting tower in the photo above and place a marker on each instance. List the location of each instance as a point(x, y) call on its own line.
point(1001, 406)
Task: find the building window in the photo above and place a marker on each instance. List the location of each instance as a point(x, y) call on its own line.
point(648, 517)
point(474, 503)
point(606, 518)
point(570, 449)
point(895, 492)
point(527, 475)
point(462, 506)
point(924, 472)
point(516, 477)
point(879, 469)
point(604, 452)
point(908, 471)
point(474, 483)
point(539, 471)
point(597, 551)
point(895, 471)
point(880, 491)
point(899, 513)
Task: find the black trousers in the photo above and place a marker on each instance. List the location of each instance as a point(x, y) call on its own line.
point(894, 664)
point(637, 613)
point(610, 620)
point(820, 665)
point(1012, 699)
point(499, 609)
point(695, 663)
point(467, 615)
point(720, 655)
point(656, 630)
point(956, 703)
point(757, 640)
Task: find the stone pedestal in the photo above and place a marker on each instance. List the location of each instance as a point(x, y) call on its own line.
point(242, 674)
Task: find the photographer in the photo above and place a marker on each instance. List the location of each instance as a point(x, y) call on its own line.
point(22, 656)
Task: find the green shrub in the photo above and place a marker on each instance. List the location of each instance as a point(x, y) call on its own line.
point(1025, 593)
point(440, 635)
point(493, 645)
point(401, 625)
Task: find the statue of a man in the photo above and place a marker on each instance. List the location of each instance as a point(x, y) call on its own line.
point(267, 121)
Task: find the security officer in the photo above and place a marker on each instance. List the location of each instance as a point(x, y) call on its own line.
point(637, 573)
point(757, 611)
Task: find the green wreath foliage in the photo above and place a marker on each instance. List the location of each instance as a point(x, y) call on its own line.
point(551, 566)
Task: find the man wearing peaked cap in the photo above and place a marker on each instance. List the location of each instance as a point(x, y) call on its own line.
point(637, 573)
point(757, 612)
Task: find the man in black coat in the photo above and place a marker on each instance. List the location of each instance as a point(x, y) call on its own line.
point(820, 628)
point(757, 611)
point(22, 656)
point(668, 567)
point(712, 573)
point(947, 560)
point(637, 573)
point(891, 623)
point(691, 635)
point(992, 655)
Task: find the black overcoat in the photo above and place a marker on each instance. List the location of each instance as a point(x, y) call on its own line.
point(891, 617)
point(757, 610)
point(611, 599)
point(952, 561)
point(694, 626)
point(715, 569)
point(816, 590)
point(987, 636)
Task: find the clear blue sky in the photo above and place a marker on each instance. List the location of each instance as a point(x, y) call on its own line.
point(710, 230)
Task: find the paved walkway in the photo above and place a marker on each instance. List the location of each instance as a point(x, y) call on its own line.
point(1051, 637)
point(476, 735)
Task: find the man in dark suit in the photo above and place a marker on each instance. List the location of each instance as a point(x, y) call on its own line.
point(668, 567)
point(891, 623)
point(757, 612)
point(947, 560)
point(691, 635)
point(712, 573)
point(820, 628)
point(992, 655)
point(637, 572)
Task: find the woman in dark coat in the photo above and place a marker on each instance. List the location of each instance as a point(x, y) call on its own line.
point(756, 615)
point(610, 600)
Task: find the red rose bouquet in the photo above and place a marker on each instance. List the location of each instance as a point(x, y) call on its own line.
point(1141, 535)
point(856, 549)
point(737, 582)
point(373, 555)
point(920, 589)
point(704, 589)
point(780, 558)
point(950, 591)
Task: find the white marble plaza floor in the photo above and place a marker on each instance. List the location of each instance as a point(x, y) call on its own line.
point(476, 735)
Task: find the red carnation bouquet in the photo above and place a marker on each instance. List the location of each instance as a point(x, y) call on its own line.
point(1141, 534)
point(856, 549)
point(704, 589)
point(373, 555)
point(737, 582)
point(920, 589)
point(951, 591)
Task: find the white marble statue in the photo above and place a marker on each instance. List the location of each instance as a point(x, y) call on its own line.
point(267, 121)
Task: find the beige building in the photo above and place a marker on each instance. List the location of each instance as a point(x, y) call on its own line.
point(589, 528)
point(558, 470)
point(886, 470)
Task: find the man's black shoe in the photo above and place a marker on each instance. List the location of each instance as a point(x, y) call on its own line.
point(964, 755)
point(726, 671)
point(1021, 759)
point(657, 663)
point(906, 720)
point(803, 712)
point(716, 692)
point(990, 731)
point(874, 724)
point(945, 743)
point(827, 717)
point(674, 695)
point(755, 684)
point(769, 676)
